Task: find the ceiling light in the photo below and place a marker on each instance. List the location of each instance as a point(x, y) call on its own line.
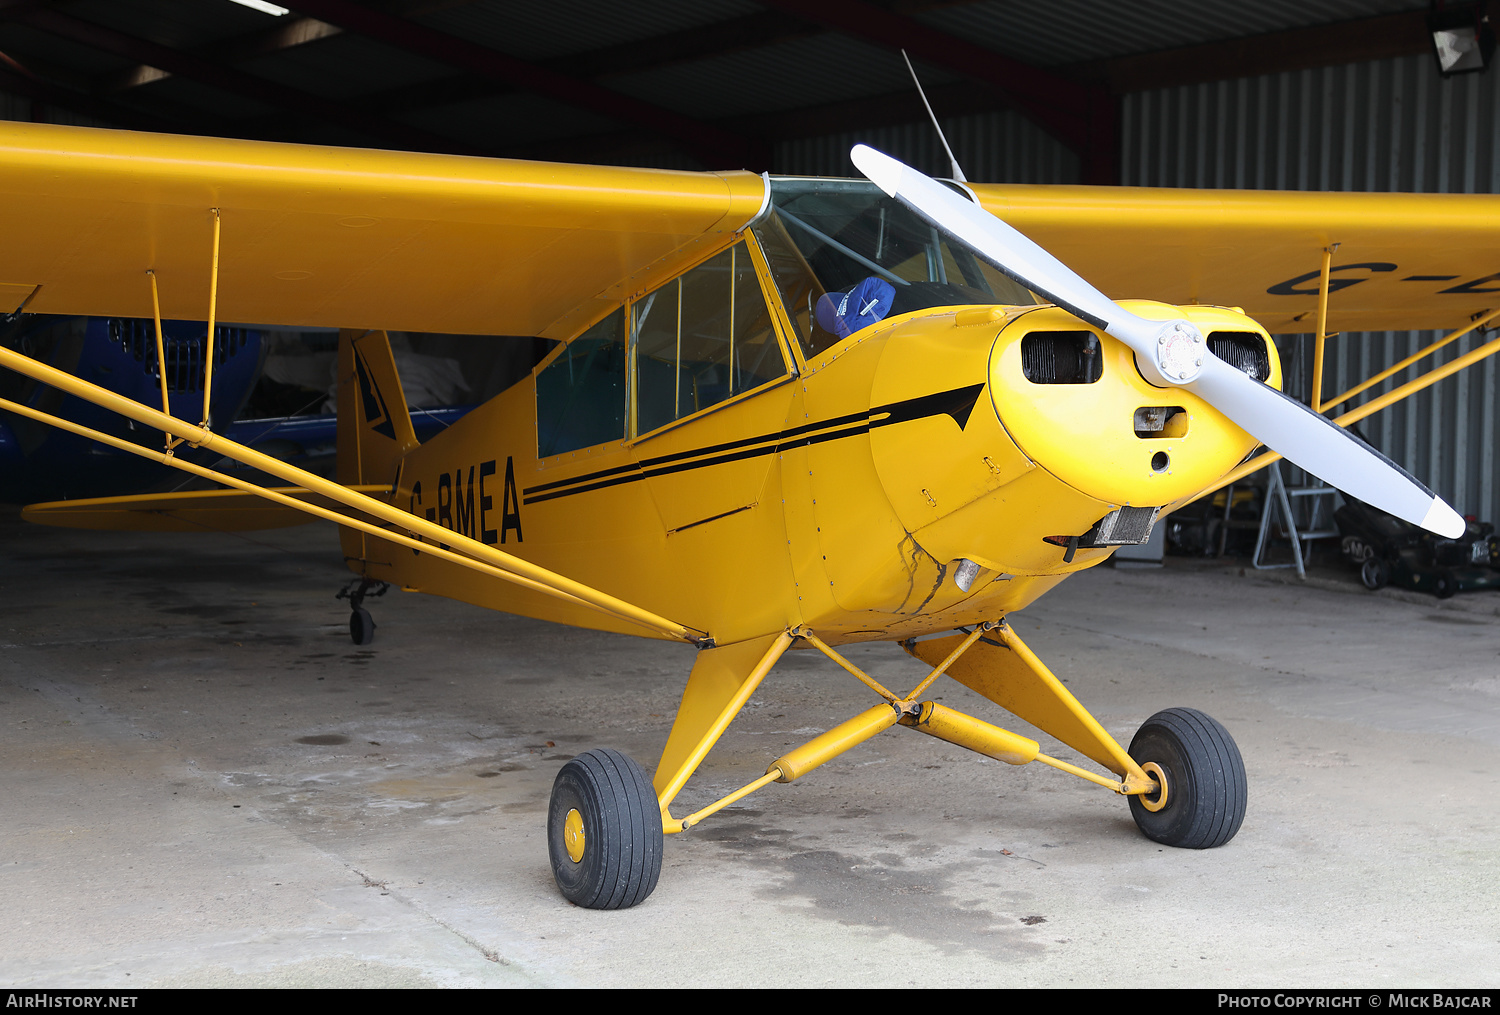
point(263, 7)
point(1462, 38)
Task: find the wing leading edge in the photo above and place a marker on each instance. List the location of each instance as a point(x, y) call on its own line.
point(342, 237)
point(1402, 261)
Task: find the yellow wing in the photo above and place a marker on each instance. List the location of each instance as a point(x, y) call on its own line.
point(358, 238)
point(1403, 260)
point(187, 511)
point(342, 237)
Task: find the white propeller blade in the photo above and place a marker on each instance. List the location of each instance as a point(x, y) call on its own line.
point(1173, 353)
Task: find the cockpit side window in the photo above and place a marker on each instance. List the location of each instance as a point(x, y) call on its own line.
point(798, 283)
point(580, 395)
point(701, 339)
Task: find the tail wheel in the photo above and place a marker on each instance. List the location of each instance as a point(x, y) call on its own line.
point(604, 831)
point(361, 626)
point(1202, 801)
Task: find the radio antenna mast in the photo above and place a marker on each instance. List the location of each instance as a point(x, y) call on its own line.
point(958, 174)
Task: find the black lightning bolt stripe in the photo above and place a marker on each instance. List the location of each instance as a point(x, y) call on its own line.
point(958, 403)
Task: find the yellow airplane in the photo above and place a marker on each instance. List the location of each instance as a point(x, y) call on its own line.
point(781, 412)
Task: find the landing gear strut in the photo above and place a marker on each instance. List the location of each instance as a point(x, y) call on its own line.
point(1183, 774)
point(361, 624)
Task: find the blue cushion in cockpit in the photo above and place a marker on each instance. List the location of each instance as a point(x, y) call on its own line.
point(843, 314)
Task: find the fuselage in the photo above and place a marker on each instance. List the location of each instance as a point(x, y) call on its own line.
point(838, 417)
point(843, 495)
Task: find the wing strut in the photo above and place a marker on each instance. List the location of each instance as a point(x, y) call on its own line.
point(161, 351)
point(283, 498)
point(213, 309)
point(479, 556)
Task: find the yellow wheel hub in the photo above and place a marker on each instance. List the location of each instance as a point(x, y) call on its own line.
point(573, 835)
point(1158, 800)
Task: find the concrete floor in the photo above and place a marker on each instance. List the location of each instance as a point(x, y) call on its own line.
point(206, 784)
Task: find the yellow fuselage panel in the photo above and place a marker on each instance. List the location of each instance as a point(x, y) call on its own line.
point(597, 515)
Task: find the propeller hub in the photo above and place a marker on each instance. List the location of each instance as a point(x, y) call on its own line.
point(1179, 352)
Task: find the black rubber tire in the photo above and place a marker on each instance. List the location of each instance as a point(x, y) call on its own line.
point(1444, 585)
point(361, 626)
point(1206, 788)
point(621, 830)
point(1375, 573)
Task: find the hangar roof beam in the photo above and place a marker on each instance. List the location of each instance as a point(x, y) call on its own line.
point(39, 89)
point(284, 34)
point(718, 147)
point(1080, 115)
point(702, 42)
point(228, 79)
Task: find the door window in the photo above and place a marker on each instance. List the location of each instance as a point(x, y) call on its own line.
point(701, 339)
point(580, 396)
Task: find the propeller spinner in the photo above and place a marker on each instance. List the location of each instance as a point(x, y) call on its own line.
point(1173, 353)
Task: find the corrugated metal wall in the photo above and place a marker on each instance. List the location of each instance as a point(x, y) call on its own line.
point(996, 147)
point(1378, 126)
point(1384, 125)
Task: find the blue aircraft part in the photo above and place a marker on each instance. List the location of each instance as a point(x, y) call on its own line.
point(10, 448)
point(119, 354)
point(40, 463)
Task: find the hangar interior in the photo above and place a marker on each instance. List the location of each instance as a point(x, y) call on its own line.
point(1317, 95)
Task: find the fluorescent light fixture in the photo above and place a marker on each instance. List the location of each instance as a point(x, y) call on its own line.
point(1462, 39)
point(263, 7)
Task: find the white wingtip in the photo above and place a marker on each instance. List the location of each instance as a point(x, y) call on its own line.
point(1443, 520)
point(883, 171)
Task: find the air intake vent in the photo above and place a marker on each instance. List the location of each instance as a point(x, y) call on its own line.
point(137, 336)
point(1243, 350)
point(1061, 357)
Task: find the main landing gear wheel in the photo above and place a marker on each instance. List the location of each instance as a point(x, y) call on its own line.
point(1202, 801)
point(604, 831)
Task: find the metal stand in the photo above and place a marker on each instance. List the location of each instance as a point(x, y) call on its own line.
point(1279, 496)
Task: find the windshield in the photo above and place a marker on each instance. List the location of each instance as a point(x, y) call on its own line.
point(845, 255)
